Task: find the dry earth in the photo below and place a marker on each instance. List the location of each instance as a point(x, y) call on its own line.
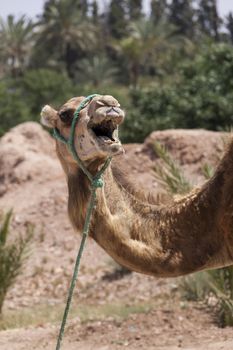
point(111, 311)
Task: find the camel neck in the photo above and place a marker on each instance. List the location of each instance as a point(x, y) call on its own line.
point(183, 237)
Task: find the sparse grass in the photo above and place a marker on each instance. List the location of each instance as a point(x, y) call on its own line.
point(220, 283)
point(170, 174)
point(12, 255)
point(215, 287)
point(207, 171)
point(193, 287)
point(43, 314)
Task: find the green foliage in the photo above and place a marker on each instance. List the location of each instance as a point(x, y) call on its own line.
point(12, 255)
point(16, 38)
point(194, 287)
point(116, 18)
point(169, 174)
point(207, 88)
point(229, 25)
point(4, 229)
point(134, 9)
point(220, 283)
point(181, 14)
point(96, 71)
point(207, 171)
point(22, 99)
point(65, 33)
point(14, 109)
point(150, 112)
point(201, 97)
point(208, 18)
point(145, 47)
point(95, 12)
point(188, 80)
point(41, 85)
point(83, 7)
point(215, 288)
point(158, 10)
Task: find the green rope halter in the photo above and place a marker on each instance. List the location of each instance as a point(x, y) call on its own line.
point(96, 182)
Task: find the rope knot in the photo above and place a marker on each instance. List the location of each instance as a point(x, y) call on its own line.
point(98, 182)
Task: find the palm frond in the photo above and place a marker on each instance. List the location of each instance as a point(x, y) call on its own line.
point(207, 171)
point(169, 174)
point(4, 228)
point(12, 255)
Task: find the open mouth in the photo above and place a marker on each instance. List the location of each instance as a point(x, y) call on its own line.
point(105, 132)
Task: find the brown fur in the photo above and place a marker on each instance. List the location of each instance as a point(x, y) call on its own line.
point(187, 235)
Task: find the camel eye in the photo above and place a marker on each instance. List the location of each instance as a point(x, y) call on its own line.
point(66, 116)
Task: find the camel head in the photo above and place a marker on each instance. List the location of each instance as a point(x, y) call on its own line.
point(96, 132)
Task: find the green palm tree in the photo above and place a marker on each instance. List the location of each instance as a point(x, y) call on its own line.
point(97, 70)
point(16, 40)
point(143, 44)
point(64, 32)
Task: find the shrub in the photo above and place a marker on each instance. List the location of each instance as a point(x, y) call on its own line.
point(170, 174)
point(215, 287)
point(199, 96)
point(12, 255)
point(13, 109)
point(148, 113)
point(41, 86)
point(22, 99)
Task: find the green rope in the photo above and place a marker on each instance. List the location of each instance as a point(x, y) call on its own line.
point(96, 182)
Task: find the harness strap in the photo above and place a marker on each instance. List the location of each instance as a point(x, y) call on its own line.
point(96, 182)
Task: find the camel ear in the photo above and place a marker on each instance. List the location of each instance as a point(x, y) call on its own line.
point(49, 116)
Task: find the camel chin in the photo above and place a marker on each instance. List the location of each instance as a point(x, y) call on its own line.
point(91, 147)
point(105, 137)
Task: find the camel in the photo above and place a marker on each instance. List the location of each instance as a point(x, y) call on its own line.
point(186, 235)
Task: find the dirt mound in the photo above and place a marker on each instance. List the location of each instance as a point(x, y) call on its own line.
point(190, 147)
point(32, 182)
point(26, 154)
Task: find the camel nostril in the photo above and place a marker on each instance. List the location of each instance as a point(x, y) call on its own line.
point(109, 110)
point(112, 112)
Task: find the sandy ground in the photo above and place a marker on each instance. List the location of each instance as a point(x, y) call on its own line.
point(32, 182)
point(159, 329)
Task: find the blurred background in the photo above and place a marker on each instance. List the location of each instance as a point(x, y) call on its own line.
point(171, 61)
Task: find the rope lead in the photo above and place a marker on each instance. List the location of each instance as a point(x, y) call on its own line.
point(96, 182)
